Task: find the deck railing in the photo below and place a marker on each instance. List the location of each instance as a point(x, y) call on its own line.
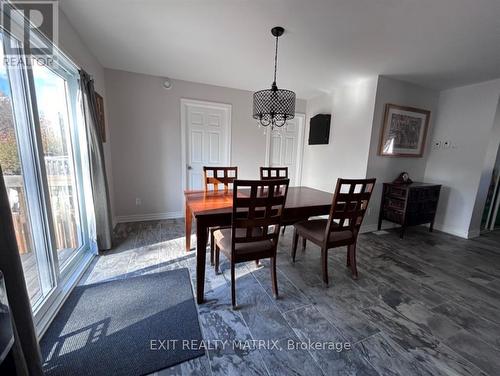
point(61, 192)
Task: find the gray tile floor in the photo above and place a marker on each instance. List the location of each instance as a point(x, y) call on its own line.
point(425, 305)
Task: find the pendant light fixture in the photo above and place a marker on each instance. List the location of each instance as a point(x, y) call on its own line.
point(273, 107)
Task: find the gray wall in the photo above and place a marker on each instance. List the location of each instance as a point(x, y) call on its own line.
point(71, 43)
point(386, 169)
point(144, 124)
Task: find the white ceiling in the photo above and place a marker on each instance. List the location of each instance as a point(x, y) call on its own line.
point(327, 43)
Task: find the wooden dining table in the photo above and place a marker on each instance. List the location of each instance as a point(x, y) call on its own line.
point(214, 208)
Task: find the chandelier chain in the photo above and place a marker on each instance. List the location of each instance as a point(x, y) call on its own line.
point(276, 59)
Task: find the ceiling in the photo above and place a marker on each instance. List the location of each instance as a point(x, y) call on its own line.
point(327, 43)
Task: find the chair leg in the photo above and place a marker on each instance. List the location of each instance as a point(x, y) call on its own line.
point(217, 254)
point(233, 285)
point(212, 246)
point(283, 230)
point(294, 246)
point(304, 243)
point(352, 260)
point(324, 264)
point(274, 277)
point(257, 263)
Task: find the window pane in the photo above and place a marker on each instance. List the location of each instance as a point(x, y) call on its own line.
point(53, 111)
point(14, 180)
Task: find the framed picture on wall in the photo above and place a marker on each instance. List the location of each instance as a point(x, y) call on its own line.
point(404, 131)
point(100, 116)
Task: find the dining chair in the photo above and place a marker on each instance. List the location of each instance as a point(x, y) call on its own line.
point(213, 178)
point(267, 173)
point(348, 209)
point(257, 211)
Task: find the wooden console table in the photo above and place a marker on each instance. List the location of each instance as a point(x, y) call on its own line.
point(409, 204)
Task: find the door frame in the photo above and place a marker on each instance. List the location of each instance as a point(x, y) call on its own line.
point(494, 208)
point(300, 148)
point(185, 102)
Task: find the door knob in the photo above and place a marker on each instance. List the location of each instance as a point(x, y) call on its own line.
point(189, 167)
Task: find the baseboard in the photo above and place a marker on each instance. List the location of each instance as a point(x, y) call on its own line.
point(148, 217)
point(454, 231)
point(364, 228)
point(439, 227)
point(474, 233)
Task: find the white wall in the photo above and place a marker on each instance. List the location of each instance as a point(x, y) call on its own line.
point(144, 123)
point(346, 155)
point(316, 156)
point(465, 118)
point(386, 169)
point(71, 44)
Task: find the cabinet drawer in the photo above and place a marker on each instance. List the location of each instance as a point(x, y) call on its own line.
point(396, 204)
point(397, 191)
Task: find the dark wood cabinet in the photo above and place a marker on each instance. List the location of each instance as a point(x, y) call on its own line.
point(409, 204)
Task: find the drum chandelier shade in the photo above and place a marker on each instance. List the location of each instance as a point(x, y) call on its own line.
point(274, 106)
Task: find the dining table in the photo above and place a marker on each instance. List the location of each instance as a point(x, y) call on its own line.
point(214, 208)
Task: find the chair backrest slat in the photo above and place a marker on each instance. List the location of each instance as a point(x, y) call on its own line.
point(273, 173)
point(213, 177)
point(349, 205)
point(257, 205)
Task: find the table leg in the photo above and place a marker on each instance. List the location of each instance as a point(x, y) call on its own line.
point(201, 253)
point(189, 220)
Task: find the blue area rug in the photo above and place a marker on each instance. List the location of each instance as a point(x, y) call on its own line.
point(115, 327)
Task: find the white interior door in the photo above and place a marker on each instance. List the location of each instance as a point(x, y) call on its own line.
point(285, 147)
point(207, 134)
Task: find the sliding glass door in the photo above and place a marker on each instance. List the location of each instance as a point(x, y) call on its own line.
point(57, 146)
point(19, 172)
point(43, 154)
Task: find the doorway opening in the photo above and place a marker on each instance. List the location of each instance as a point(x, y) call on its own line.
point(491, 214)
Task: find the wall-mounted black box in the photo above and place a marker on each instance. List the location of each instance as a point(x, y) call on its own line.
point(319, 129)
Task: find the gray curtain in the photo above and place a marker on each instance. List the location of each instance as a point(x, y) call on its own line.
point(26, 349)
point(99, 183)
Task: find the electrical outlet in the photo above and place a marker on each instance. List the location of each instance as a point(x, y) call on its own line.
point(436, 145)
point(446, 144)
point(138, 201)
